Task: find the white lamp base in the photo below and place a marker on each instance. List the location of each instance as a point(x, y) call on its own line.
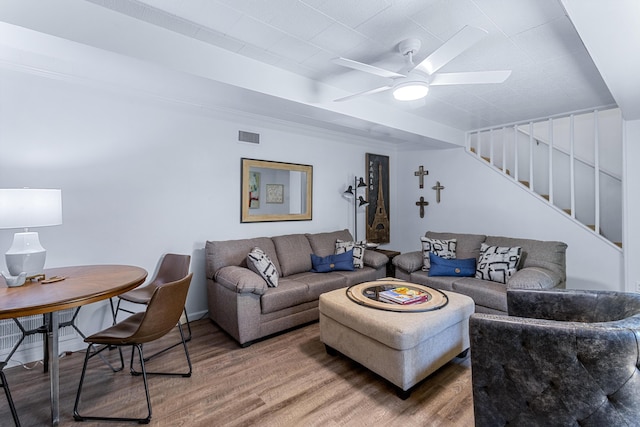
point(26, 255)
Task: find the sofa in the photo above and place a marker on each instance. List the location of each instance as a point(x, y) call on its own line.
point(242, 303)
point(541, 265)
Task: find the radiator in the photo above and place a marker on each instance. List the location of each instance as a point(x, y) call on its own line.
point(10, 333)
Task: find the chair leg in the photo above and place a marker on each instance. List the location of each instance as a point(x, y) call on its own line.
point(186, 317)
point(88, 355)
point(117, 310)
point(12, 407)
point(183, 341)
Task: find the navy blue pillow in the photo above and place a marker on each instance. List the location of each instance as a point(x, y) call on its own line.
point(343, 261)
point(451, 267)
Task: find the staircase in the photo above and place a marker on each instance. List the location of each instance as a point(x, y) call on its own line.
point(573, 163)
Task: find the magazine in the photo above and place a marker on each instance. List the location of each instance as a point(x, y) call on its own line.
point(403, 295)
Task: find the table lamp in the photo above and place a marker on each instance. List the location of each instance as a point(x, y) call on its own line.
point(26, 208)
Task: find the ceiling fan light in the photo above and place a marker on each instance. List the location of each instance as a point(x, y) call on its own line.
point(410, 91)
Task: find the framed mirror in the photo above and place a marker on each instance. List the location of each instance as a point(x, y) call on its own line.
point(275, 191)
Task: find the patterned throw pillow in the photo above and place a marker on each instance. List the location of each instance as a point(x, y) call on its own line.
point(497, 263)
point(443, 248)
point(259, 262)
point(358, 251)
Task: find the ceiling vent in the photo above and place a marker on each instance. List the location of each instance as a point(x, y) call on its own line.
point(251, 137)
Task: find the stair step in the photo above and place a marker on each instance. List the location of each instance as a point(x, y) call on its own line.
point(593, 227)
point(545, 196)
point(488, 160)
point(568, 211)
point(618, 244)
point(525, 183)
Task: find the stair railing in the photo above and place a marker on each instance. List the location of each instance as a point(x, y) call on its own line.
point(480, 139)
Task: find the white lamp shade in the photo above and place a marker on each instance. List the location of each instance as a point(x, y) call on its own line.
point(30, 207)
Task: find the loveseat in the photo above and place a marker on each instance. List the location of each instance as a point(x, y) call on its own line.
point(242, 303)
point(539, 265)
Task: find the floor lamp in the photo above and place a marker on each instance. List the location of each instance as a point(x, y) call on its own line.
point(358, 201)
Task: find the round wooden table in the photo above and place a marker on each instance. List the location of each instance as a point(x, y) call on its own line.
point(82, 285)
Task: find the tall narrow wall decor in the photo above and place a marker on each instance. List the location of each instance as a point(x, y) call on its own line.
point(378, 197)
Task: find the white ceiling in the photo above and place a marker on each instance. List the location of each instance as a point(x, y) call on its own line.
point(552, 70)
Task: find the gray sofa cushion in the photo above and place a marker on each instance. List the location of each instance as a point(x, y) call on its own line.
point(439, 282)
point(359, 275)
point(319, 283)
point(484, 292)
point(536, 253)
point(234, 252)
point(533, 278)
point(375, 259)
point(467, 245)
point(409, 262)
point(294, 253)
point(288, 294)
point(324, 244)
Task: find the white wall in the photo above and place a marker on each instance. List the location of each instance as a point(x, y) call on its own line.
point(141, 176)
point(631, 190)
point(478, 199)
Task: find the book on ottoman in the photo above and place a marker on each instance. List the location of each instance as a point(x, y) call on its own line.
point(403, 295)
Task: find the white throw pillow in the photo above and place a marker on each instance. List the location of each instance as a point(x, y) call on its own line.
point(259, 262)
point(358, 251)
point(497, 263)
point(445, 249)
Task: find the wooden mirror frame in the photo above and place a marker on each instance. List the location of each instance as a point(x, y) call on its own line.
point(245, 199)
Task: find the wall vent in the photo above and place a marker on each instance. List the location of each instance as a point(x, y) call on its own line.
point(251, 137)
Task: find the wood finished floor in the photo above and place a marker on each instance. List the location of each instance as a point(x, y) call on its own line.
point(287, 380)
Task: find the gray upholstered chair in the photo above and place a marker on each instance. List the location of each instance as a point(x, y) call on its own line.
point(560, 358)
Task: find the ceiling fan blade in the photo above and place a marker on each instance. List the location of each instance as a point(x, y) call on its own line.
point(350, 63)
point(469, 78)
point(461, 41)
point(366, 92)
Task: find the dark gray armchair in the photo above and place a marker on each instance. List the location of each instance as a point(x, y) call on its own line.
point(560, 358)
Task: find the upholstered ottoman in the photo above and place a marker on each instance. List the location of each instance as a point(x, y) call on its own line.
point(402, 347)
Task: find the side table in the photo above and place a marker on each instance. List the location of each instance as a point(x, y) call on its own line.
point(391, 269)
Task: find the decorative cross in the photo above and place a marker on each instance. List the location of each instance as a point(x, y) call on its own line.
point(420, 173)
point(422, 203)
point(438, 188)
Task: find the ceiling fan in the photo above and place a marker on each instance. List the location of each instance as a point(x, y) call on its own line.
point(413, 80)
